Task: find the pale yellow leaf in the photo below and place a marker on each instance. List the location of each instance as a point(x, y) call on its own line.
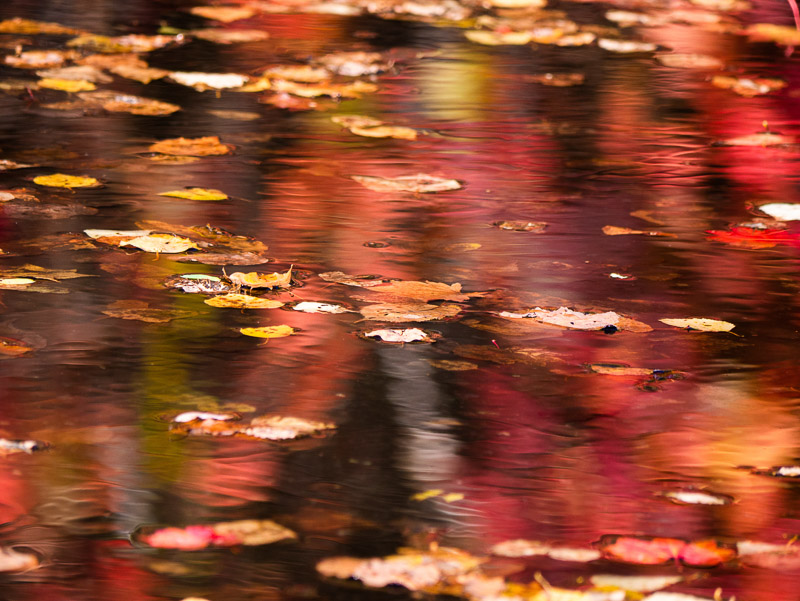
point(702, 324)
point(160, 243)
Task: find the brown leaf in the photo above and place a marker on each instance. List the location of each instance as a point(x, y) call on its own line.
point(558, 80)
point(361, 281)
point(255, 279)
point(537, 227)
point(401, 312)
point(613, 230)
point(422, 291)
point(205, 146)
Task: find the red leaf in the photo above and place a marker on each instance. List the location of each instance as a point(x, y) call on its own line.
point(652, 551)
point(706, 553)
point(748, 237)
point(643, 551)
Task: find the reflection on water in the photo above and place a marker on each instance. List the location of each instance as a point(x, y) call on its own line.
point(506, 419)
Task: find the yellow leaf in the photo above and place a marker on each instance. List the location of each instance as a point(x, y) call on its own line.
point(268, 331)
point(385, 131)
point(702, 324)
point(197, 194)
point(60, 180)
point(255, 279)
point(16, 281)
point(160, 243)
point(427, 494)
point(242, 301)
point(452, 497)
point(66, 85)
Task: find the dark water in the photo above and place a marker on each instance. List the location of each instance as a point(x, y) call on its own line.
point(538, 445)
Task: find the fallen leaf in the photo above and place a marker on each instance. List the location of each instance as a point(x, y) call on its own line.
point(114, 102)
point(10, 347)
point(30, 27)
point(689, 61)
point(236, 115)
point(195, 283)
point(76, 73)
point(60, 180)
point(625, 46)
point(190, 416)
point(242, 301)
point(385, 131)
point(582, 38)
point(301, 73)
point(123, 44)
point(748, 87)
point(66, 85)
point(414, 570)
point(6, 165)
point(9, 447)
point(255, 279)
point(361, 281)
point(196, 194)
point(612, 230)
point(529, 548)
point(40, 59)
point(141, 311)
point(639, 584)
point(17, 561)
point(160, 243)
point(751, 237)
point(497, 38)
point(355, 64)
point(781, 471)
point(422, 291)
point(334, 90)
point(208, 81)
point(41, 273)
point(278, 427)
point(225, 14)
point(782, 211)
point(702, 324)
point(770, 556)
point(280, 331)
point(515, 3)
point(420, 183)
point(208, 234)
point(399, 336)
point(312, 307)
point(349, 121)
point(537, 227)
point(696, 497)
point(230, 36)
point(780, 34)
point(205, 146)
point(95, 234)
point(222, 534)
point(568, 318)
point(653, 551)
point(401, 312)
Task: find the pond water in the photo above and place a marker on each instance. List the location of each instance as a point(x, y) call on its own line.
point(498, 428)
